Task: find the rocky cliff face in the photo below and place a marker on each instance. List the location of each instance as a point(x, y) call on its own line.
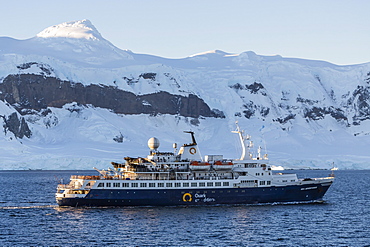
point(29, 92)
point(36, 92)
point(16, 125)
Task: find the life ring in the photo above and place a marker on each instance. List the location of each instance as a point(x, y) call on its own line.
point(187, 197)
point(192, 150)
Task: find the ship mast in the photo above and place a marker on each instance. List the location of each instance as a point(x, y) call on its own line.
point(242, 139)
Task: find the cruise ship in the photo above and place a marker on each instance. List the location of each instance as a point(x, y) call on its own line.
point(184, 177)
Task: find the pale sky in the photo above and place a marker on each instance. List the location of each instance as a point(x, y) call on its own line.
point(336, 31)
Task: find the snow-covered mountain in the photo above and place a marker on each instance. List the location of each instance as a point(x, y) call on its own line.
point(69, 99)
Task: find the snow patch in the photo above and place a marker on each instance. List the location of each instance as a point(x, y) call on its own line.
point(82, 29)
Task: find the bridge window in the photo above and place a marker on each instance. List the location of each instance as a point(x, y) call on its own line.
point(185, 185)
point(217, 183)
point(101, 185)
point(142, 184)
point(108, 184)
point(193, 184)
point(226, 183)
point(151, 184)
point(202, 184)
point(116, 185)
point(160, 184)
point(134, 185)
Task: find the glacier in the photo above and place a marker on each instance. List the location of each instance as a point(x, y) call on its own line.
point(303, 113)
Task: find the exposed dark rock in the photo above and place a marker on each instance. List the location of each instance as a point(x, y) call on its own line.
point(249, 109)
point(255, 87)
point(237, 86)
point(337, 114)
point(119, 138)
point(150, 76)
point(361, 102)
point(317, 113)
point(314, 113)
point(284, 95)
point(195, 121)
point(26, 65)
point(130, 80)
point(306, 101)
point(218, 114)
point(264, 111)
point(28, 91)
point(285, 119)
point(17, 126)
point(367, 79)
point(172, 79)
point(45, 69)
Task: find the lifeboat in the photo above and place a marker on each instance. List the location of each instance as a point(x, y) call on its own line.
point(199, 166)
point(218, 165)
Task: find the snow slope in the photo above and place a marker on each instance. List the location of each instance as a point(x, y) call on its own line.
point(304, 113)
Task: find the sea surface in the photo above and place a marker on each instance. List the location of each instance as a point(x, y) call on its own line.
point(29, 216)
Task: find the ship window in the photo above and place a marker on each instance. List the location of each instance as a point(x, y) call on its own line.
point(185, 185)
point(193, 184)
point(218, 184)
point(142, 184)
point(268, 182)
point(168, 184)
point(151, 184)
point(210, 184)
point(125, 185)
point(202, 184)
point(262, 182)
point(116, 185)
point(284, 181)
point(108, 185)
point(177, 184)
point(160, 184)
point(134, 185)
point(226, 183)
point(101, 185)
point(292, 180)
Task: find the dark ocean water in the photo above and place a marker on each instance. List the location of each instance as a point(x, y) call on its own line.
point(29, 216)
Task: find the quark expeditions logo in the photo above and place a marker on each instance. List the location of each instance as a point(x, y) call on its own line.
point(187, 197)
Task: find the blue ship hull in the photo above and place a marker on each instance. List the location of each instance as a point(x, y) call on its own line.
point(174, 197)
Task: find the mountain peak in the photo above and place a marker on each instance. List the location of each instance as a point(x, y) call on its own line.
point(212, 52)
point(82, 29)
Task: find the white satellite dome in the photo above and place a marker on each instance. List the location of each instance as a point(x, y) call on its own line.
point(153, 143)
